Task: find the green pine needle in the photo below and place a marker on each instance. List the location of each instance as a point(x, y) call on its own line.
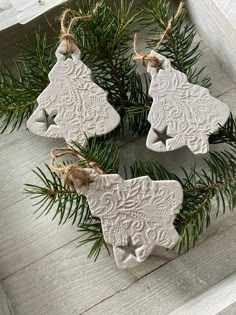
point(105, 42)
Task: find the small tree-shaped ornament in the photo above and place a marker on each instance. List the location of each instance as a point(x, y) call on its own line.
point(72, 106)
point(136, 214)
point(182, 114)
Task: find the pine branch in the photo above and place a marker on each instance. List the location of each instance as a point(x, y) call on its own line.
point(104, 154)
point(177, 46)
point(18, 93)
point(105, 43)
point(201, 189)
point(57, 195)
point(178, 43)
point(53, 194)
point(226, 133)
point(93, 233)
point(111, 59)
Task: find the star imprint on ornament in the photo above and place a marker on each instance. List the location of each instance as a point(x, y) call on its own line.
point(130, 249)
point(46, 118)
point(162, 135)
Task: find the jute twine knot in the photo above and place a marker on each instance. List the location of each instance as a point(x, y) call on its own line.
point(74, 173)
point(146, 57)
point(66, 30)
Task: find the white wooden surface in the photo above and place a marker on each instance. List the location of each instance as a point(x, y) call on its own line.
point(23, 11)
point(216, 22)
point(228, 8)
point(177, 282)
point(44, 272)
point(218, 298)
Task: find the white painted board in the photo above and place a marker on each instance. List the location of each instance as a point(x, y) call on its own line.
point(23, 11)
point(216, 22)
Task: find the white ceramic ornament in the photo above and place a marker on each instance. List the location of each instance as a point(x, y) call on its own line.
point(182, 114)
point(136, 214)
point(72, 106)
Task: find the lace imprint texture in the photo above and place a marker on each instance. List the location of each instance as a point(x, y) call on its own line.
point(136, 214)
point(72, 105)
point(185, 112)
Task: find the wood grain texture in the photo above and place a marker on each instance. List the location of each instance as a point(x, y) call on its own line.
point(218, 225)
point(220, 79)
point(19, 154)
point(230, 99)
point(5, 307)
point(65, 282)
point(24, 239)
point(213, 301)
point(11, 37)
point(207, 15)
point(228, 8)
point(45, 273)
point(230, 310)
point(180, 280)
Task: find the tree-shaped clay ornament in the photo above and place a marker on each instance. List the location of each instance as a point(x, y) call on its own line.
point(72, 106)
point(136, 214)
point(182, 114)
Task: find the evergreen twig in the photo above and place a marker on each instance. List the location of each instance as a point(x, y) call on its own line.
point(201, 188)
point(105, 43)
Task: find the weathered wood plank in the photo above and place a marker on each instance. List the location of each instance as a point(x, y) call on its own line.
point(221, 81)
point(19, 154)
point(5, 307)
point(221, 23)
point(21, 246)
point(160, 257)
point(179, 281)
point(213, 301)
point(25, 239)
point(231, 310)
point(230, 99)
point(65, 282)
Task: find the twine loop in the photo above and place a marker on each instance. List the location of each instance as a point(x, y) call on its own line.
point(66, 30)
point(74, 173)
point(146, 57)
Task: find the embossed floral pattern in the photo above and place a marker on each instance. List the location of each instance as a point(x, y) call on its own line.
point(188, 112)
point(79, 105)
point(138, 209)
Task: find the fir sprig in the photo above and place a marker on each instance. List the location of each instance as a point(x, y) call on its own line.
point(18, 92)
point(57, 195)
point(201, 189)
point(106, 45)
point(178, 43)
point(53, 194)
point(105, 42)
point(226, 133)
point(177, 46)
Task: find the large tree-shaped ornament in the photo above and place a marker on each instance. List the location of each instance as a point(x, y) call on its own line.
point(136, 214)
point(72, 106)
point(182, 114)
